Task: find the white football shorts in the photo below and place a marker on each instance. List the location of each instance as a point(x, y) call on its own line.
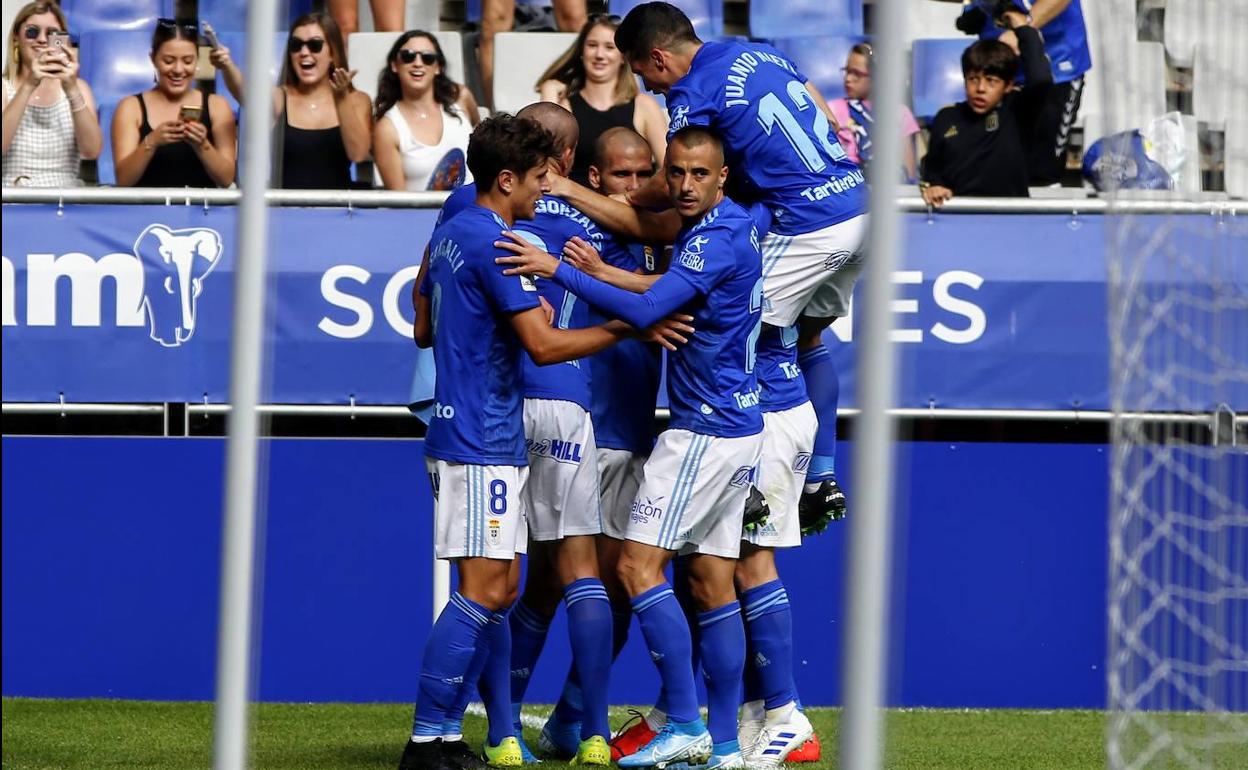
point(478, 510)
point(788, 438)
point(812, 274)
point(692, 495)
point(619, 478)
point(561, 496)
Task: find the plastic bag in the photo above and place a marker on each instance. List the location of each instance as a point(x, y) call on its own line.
point(1151, 158)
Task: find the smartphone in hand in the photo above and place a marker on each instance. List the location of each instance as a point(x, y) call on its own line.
point(189, 112)
point(209, 34)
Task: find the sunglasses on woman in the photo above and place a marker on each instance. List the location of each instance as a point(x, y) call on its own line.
point(189, 26)
point(31, 32)
point(315, 45)
point(428, 58)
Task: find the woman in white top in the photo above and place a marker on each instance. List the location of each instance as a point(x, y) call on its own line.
point(50, 122)
point(423, 118)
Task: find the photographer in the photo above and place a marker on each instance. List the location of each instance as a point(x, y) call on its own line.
point(1065, 37)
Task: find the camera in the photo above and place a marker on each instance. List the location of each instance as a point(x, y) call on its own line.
point(972, 21)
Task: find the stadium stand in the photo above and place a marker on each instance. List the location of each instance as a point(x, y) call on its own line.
point(707, 15)
point(927, 18)
point(367, 55)
point(417, 14)
point(92, 15)
point(1218, 89)
point(528, 54)
point(790, 18)
point(1139, 97)
point(937, 74)
point(820, 59)
point(1181, 30)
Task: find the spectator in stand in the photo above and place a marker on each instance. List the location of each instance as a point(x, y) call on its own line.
point(173, 135)
point(387, 15)
point(980, 146)
point(1065, 38)
point(593, 81)
point(322, 124)
point(854, 115)
point(423, 118)
point(500, 16)
point(50, 122)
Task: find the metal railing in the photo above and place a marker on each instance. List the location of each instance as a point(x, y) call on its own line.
point(170, 196)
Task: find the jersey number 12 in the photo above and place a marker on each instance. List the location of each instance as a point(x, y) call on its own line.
point(772, 112)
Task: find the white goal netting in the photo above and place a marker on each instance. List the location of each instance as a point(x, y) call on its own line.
point(1178, 564)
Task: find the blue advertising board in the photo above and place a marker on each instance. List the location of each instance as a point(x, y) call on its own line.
point(133, 304)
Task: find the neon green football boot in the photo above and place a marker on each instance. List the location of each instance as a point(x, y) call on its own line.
point(505, 754)
point(593, 751)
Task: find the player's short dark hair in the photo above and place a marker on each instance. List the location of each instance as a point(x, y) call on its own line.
point(505, 142)
point(695, 136)
point(653, 25)
point(623, 135)
point(990, 57)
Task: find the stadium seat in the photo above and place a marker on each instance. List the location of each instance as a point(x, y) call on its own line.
point(790, 18)
point(367, 52)
point(925, 18)
point(1236, 164)
point(104, 165)
point(527, 54)
point(92, 15)
point(820, 59)
point(1184, 19)
point(1219, 82)
point(937, 75)
point(707, 15)
point(117, 63)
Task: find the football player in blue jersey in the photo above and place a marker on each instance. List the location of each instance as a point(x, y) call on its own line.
point(624, 384)
point(777, 131)
point(694, 483)
point(480, 322)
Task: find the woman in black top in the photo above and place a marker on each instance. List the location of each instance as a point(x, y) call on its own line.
point(593, 81)
point(322, 124)
point(172, 135)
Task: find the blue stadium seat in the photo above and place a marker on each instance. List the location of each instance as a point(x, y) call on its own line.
point(790, 18)
point(707, 15)
point(104, 165)
point(820, 59)
point(937, 75)
point(90, 15)
point(232, 14)
point(117, 63)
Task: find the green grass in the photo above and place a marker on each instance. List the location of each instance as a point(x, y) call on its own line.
point(73, 734)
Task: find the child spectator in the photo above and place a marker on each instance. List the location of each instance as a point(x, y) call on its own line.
point(322, 124)
point(172, 135)
point(855, 119)
point(50, 122)
point(980, 146)
point(593, 81)
point(423, 118)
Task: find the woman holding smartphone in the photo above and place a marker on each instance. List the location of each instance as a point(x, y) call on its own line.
point(172, 135)
point(50, 121)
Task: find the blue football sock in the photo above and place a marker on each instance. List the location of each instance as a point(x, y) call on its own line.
point(769, 625)
point(454, 722)
point(753, 687)
point(725, 748)
point(824, 388)
point(589, 630)
point(723, 659)
point(449, 651)
point(571, 702)
point(495, 686)
point(667, 636)
point(528, 636)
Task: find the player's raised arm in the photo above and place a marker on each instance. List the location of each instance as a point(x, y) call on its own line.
point(639, 224)
point(586, 258)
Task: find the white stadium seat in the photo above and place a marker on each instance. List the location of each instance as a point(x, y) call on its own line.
point(1138, 73)
point(1236, 168)
point(367, 53)
point(523, 57)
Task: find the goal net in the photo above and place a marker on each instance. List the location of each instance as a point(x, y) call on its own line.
point(1178, 270)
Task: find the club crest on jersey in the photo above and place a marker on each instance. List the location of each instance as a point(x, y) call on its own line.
point(496, 528)
point(648, 251)
point(691, 255)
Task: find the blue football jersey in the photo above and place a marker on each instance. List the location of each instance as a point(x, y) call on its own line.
point(478, 408)
point(624, 379)
point(711, 385)
point(554, 225)
point(780, 380)
point(1065, 38)
point(774, 135)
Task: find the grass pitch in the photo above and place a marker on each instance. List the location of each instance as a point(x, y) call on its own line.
point(81, 734)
